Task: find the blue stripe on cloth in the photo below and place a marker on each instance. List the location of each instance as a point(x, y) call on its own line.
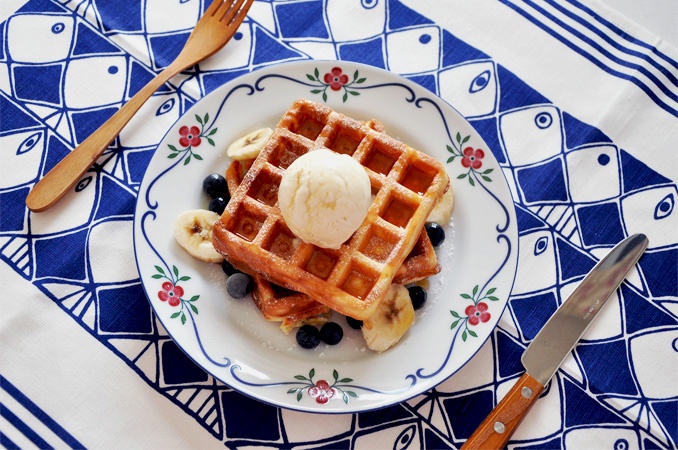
point(624, 35)
point(620, 46)
point(22, 427)
point(602, 50)
point(39, 414)
point(658, 100)
point(7, 443)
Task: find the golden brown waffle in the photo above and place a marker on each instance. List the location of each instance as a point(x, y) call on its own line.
point(353, 279)
point(294, 309)
point(276, 303)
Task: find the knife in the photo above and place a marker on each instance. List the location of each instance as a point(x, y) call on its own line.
point(554, 342)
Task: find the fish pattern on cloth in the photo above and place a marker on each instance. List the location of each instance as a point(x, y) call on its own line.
point(567, 220)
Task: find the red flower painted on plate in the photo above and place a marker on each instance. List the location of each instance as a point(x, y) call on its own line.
point(336, 78)
point(189, 136)
point(171, 293)
point(322, 392)
point(477, 313)
point(472, 158)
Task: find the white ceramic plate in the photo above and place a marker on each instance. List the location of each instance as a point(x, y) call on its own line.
point(230, 339)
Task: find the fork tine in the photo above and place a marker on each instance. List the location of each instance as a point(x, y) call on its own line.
point(237, 11)
point(214, 6)
point(224, 8)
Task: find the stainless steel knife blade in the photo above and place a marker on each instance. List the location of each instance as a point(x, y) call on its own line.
point(563, 330)
point(556, 340)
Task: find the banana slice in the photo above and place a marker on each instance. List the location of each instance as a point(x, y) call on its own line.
point(393, 318)
point(442, 211)
point(248, 146)
point(193, 231)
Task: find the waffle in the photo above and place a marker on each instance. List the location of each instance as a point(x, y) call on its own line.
point(276, 303)
point(353, 279)
point(294, 309)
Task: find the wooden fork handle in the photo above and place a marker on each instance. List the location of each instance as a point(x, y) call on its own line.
point(58, 181)
point(497, 428)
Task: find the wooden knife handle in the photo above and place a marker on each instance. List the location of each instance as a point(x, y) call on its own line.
point(497, 428)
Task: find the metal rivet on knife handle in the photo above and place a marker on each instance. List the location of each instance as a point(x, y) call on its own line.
point(527, 392)
point(498, 427)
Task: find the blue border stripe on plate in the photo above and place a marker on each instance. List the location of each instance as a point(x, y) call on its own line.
point(658, 100)
point(38, 414)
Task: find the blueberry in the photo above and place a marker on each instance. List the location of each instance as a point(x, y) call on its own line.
point(417, 295)
point(215, 185)
point(331, 333)
point(228, 268)
point(354, 323)
point(239, 285)
point(218, 205)
point(436, 233)
point(308, 336)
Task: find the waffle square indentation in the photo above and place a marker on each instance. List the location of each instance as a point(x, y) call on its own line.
point(309, 128)
point(381, 159)
point(398, 212)
point(359, 281)
point(345, 140)
point(307, 120)
point(286, 152)
point(417, 179)
point(379, 244)
point(321, 263)
point(265, 188)
point(246, 225)
point(281, 242)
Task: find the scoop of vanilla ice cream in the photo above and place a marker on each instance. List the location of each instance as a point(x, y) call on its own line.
point(324, 197)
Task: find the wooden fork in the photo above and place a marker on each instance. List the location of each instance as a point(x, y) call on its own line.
point(214, 29)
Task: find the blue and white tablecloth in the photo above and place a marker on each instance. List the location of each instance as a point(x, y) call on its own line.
point(577, 104)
